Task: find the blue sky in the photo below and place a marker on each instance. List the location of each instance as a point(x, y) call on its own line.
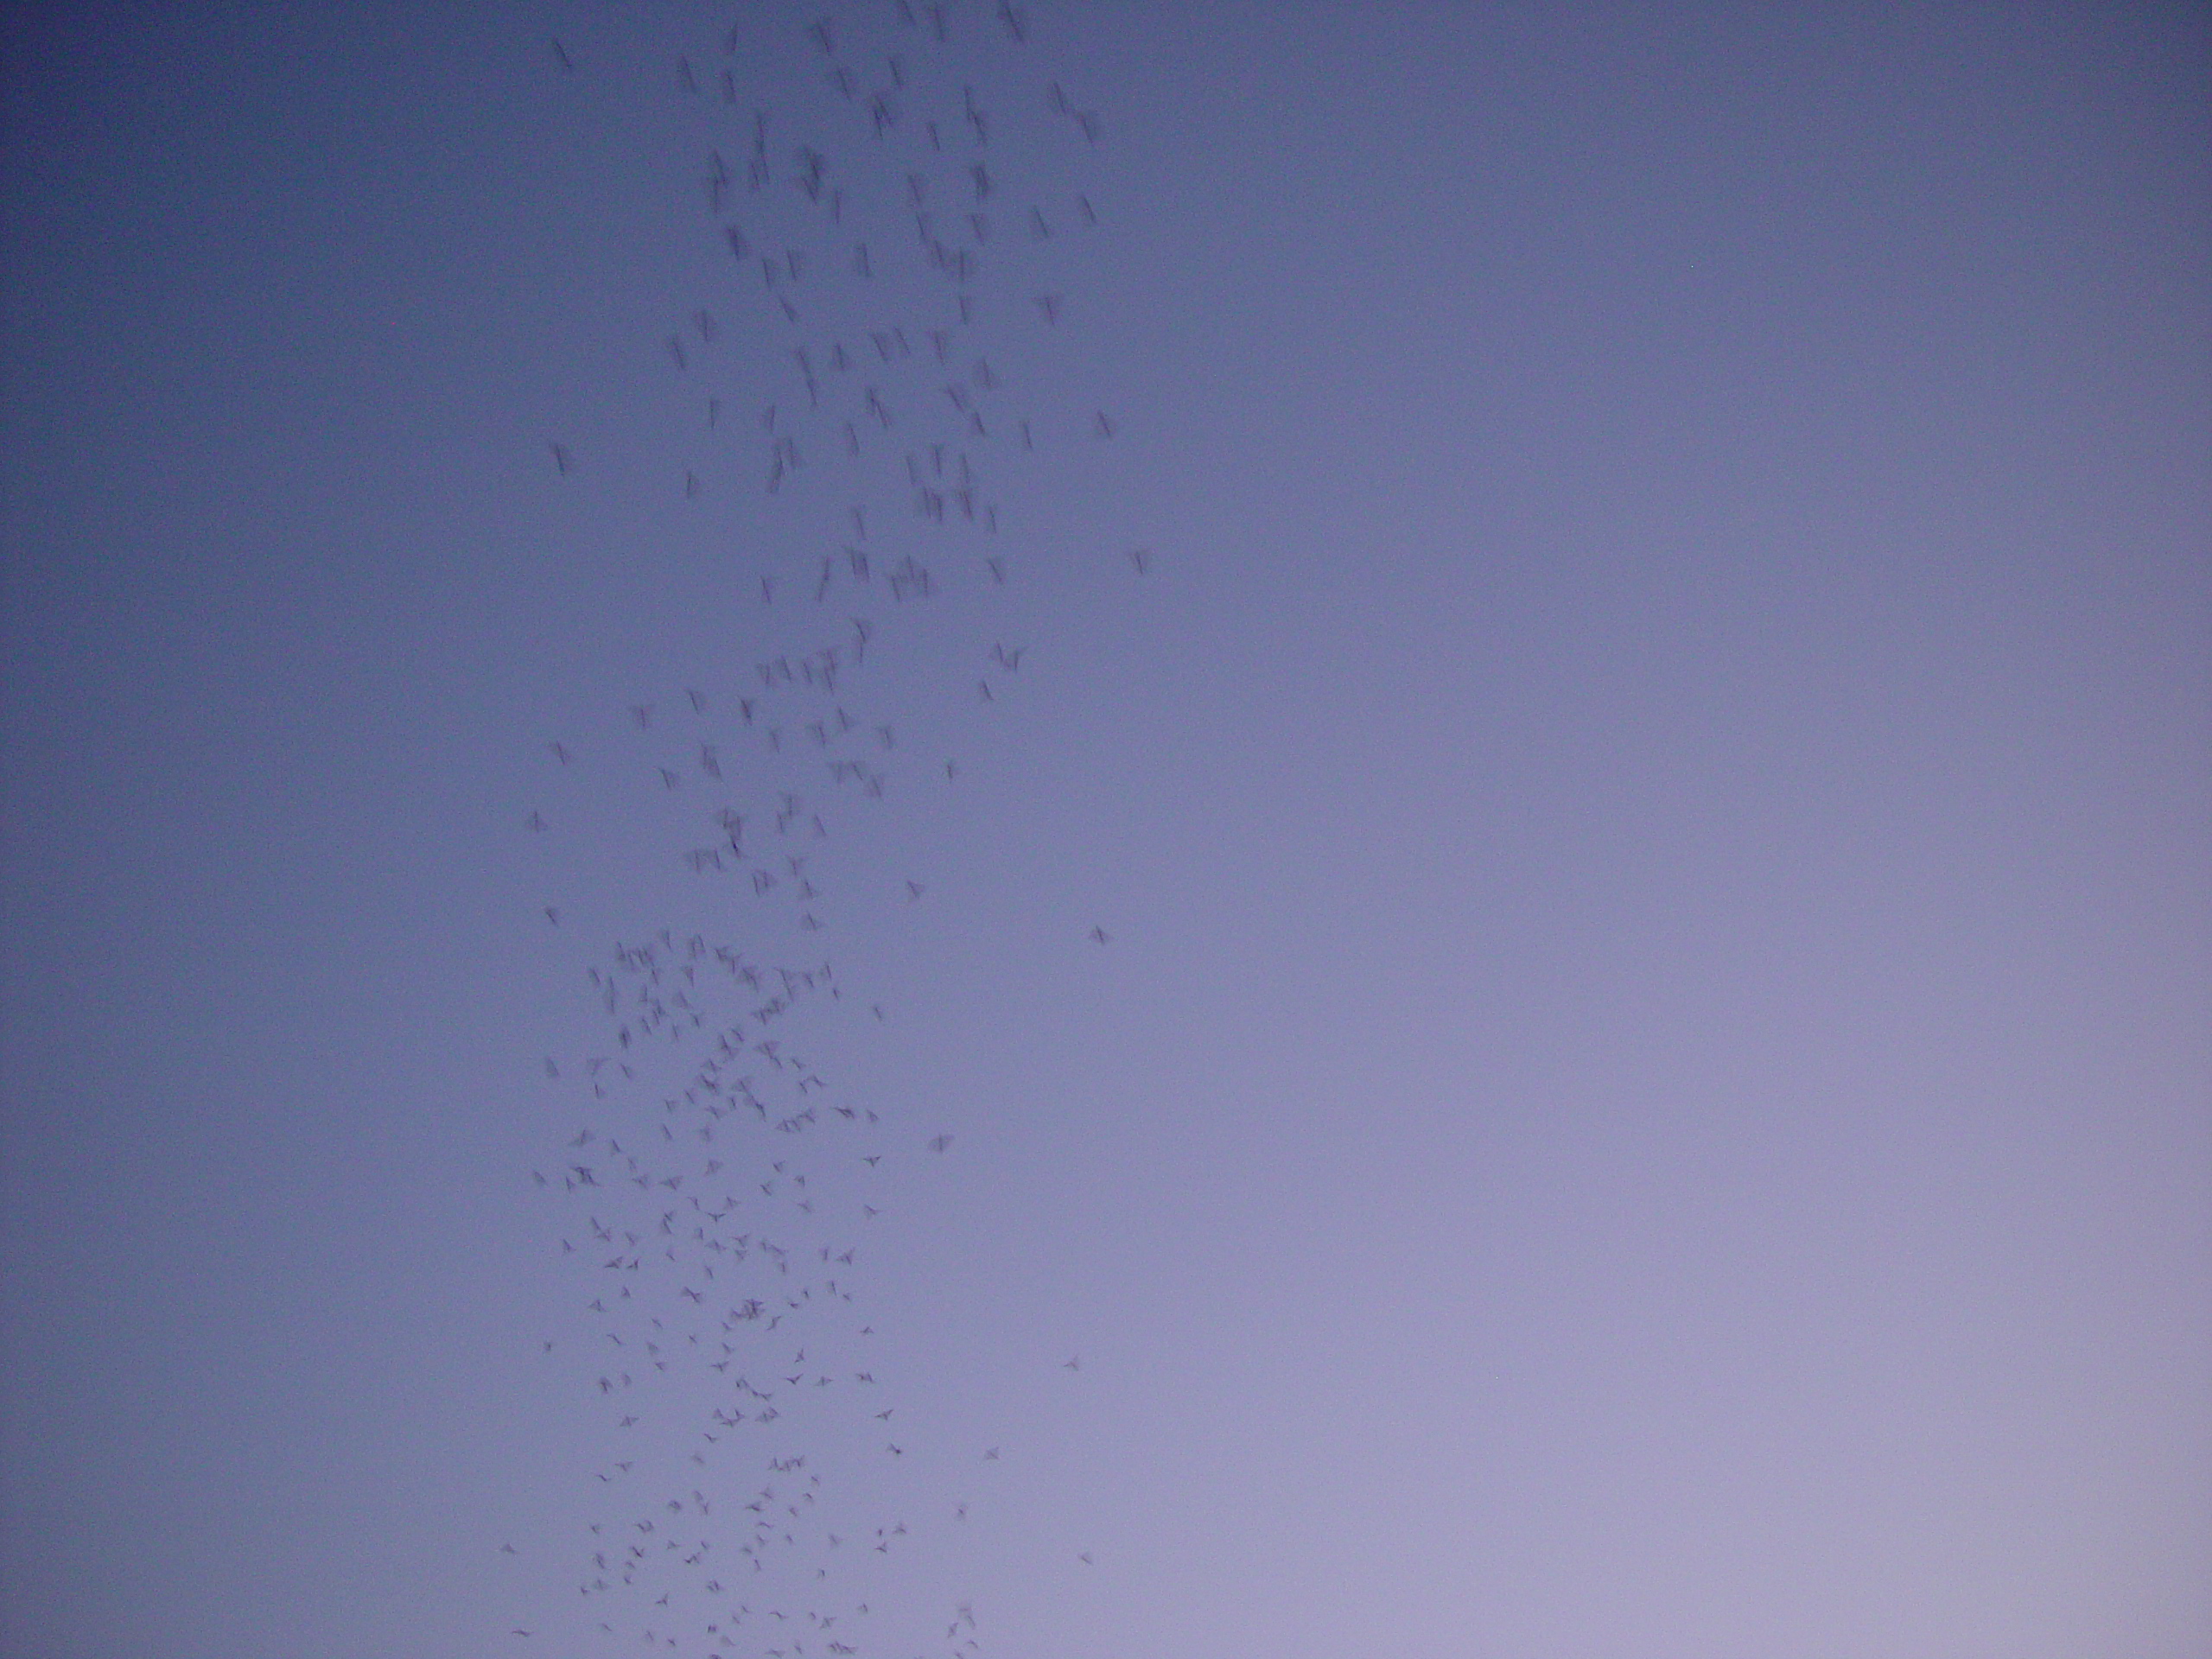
point(1644, 1089)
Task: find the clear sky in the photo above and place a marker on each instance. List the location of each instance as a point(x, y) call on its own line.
point(1478, 755)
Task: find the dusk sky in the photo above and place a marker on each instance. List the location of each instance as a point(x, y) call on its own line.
point(1249, 831)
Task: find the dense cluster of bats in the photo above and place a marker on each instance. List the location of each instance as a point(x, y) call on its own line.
point(885, 237)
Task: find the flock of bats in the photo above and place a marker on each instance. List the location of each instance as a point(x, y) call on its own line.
point(889, 233)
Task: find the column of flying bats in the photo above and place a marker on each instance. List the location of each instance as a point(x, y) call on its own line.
point(881, 248)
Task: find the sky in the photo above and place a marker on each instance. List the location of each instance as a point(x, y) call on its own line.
point(1432, 857)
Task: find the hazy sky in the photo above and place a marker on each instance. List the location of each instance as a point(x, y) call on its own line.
point(1647, 1089)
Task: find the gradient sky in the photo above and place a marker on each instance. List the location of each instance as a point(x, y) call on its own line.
point(1649, 1089)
